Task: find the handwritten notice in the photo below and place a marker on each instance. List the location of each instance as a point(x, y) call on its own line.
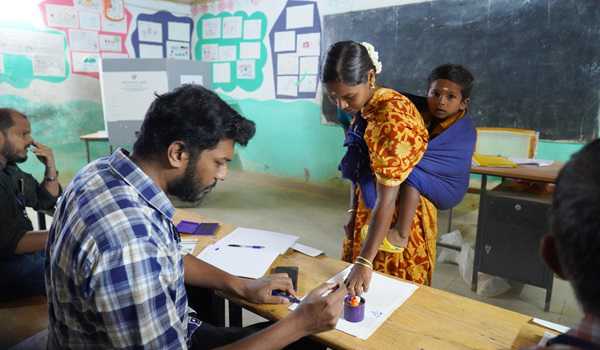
point(48, 65)
point(150, 31)
point(61, 16)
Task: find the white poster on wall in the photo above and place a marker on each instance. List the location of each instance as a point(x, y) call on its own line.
point(126, 95)
point(308, 44)
point(89, 20)
point(114, 9)
point(222, 72)
point(287, 64)
point(88, 5)
point(48, 65)
point(252, 29)
point(250, 50)
point(246, 69)
point(211, 28)
point(232, 27)
point(210, 52)
point(61, 16)
point(179, 31)
point(287, 86)
point(151, 51)
point(309, 65)
point(151, 32)
point(113, 26)
point(300, 16)
point(110, 42)
point(308, 83)
point(25, 42)
point(178, 50)
point(83, 40)
point(85, 62)
point(285, 41)
point(227, 53)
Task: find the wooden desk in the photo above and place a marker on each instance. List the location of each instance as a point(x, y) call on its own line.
point(94, 137)
point(495, 227)
point(429, 319)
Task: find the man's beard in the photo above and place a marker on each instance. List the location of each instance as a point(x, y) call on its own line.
point(188, 187)
point(10, 155)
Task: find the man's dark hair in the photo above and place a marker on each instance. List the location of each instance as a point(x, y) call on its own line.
point(194, 115)
point(347, 62)
point(576, 224)
point(6, 118)
point(456, 74)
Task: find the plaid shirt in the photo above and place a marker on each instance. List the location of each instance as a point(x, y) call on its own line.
point(587, 330)
point(114, 273)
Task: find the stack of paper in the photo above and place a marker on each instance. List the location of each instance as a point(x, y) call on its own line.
point(247, 252)
point(385, 295)
point(531, 161)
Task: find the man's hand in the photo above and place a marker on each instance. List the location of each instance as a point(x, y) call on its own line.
point(44, 154)
point(259, 291)
point(318, 313)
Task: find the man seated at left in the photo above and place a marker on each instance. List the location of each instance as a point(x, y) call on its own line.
point(21, 247)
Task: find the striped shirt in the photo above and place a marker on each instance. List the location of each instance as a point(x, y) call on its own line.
point(114, 273)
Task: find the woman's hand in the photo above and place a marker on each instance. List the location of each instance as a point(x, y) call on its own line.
point(358, 280)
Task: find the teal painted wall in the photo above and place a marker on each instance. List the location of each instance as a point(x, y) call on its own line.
point(557, 150)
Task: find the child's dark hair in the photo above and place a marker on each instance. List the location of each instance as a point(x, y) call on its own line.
point(347, 62)
point(456, 74)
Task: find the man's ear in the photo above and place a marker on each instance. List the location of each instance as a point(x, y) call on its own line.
point(177, 155)
point(549, 253)
point(464, 104)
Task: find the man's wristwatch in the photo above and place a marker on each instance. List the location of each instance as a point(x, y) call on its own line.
point(51, 178)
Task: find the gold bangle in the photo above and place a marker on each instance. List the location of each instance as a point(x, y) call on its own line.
point(363, 264)
point(364, 260)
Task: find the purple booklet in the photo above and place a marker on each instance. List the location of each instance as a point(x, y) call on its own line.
point(196, 228)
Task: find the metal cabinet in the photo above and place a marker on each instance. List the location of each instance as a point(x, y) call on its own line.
point(511, 225)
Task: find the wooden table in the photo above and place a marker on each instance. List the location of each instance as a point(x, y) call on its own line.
point(545, 174)
point(94, 137)
point(429, 319)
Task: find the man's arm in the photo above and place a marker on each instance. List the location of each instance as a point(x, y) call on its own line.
point(46, 156)
point(31, 242)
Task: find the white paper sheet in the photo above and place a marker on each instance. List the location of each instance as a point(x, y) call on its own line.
point(85, 62)
point(61, 16)
point(252, 28)
point(242, 262)
point(309, 65)
point(551, 325)
point(150, 31)
point(48, 65)
point(1, 63)
point(151, 51)
point(232, 27)
point(88, 5)
point(250, 50)
point(531, 161)
point(210, 52)
point(227, 53)
point(89, 20)
point(246, 69)
point(191, 79)
point(187, 247)
point(83, 40)
point(279, 242)
point(285, 41)
point(25, 42)
point(287, 64)
point(127, 95)
point(307, 250)
point(308, 83)
point(222, 72)
point(385, 295)
point(179, 31)
point(299, 16)
point(211, 28)
point(109, 42)
point(113, 26)
point(287, 86)
point(178, 50)
point(308, 44)
point(115, 9)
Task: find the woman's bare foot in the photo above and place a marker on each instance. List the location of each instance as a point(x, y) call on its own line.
point(397, 239)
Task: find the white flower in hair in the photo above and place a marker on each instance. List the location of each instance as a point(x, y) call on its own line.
point(374, 55)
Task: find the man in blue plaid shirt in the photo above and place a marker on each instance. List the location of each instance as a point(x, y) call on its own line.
point(114, 272)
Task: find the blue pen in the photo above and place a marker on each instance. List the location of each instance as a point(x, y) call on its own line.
point(246, 246)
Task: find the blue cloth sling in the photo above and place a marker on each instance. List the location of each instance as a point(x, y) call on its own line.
point(442, 175)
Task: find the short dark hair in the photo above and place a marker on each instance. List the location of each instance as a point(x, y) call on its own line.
point(455, 73)
point(194, 115)
point(6, 118)
point(347, 62)
point(576, 224)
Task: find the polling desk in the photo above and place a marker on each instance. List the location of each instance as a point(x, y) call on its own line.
point(97, 136)
point(429, 319)
point(513, 218)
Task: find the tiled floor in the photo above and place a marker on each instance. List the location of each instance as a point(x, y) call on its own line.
point(317, 214)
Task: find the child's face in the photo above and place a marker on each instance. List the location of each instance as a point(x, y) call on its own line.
point(445, 99)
